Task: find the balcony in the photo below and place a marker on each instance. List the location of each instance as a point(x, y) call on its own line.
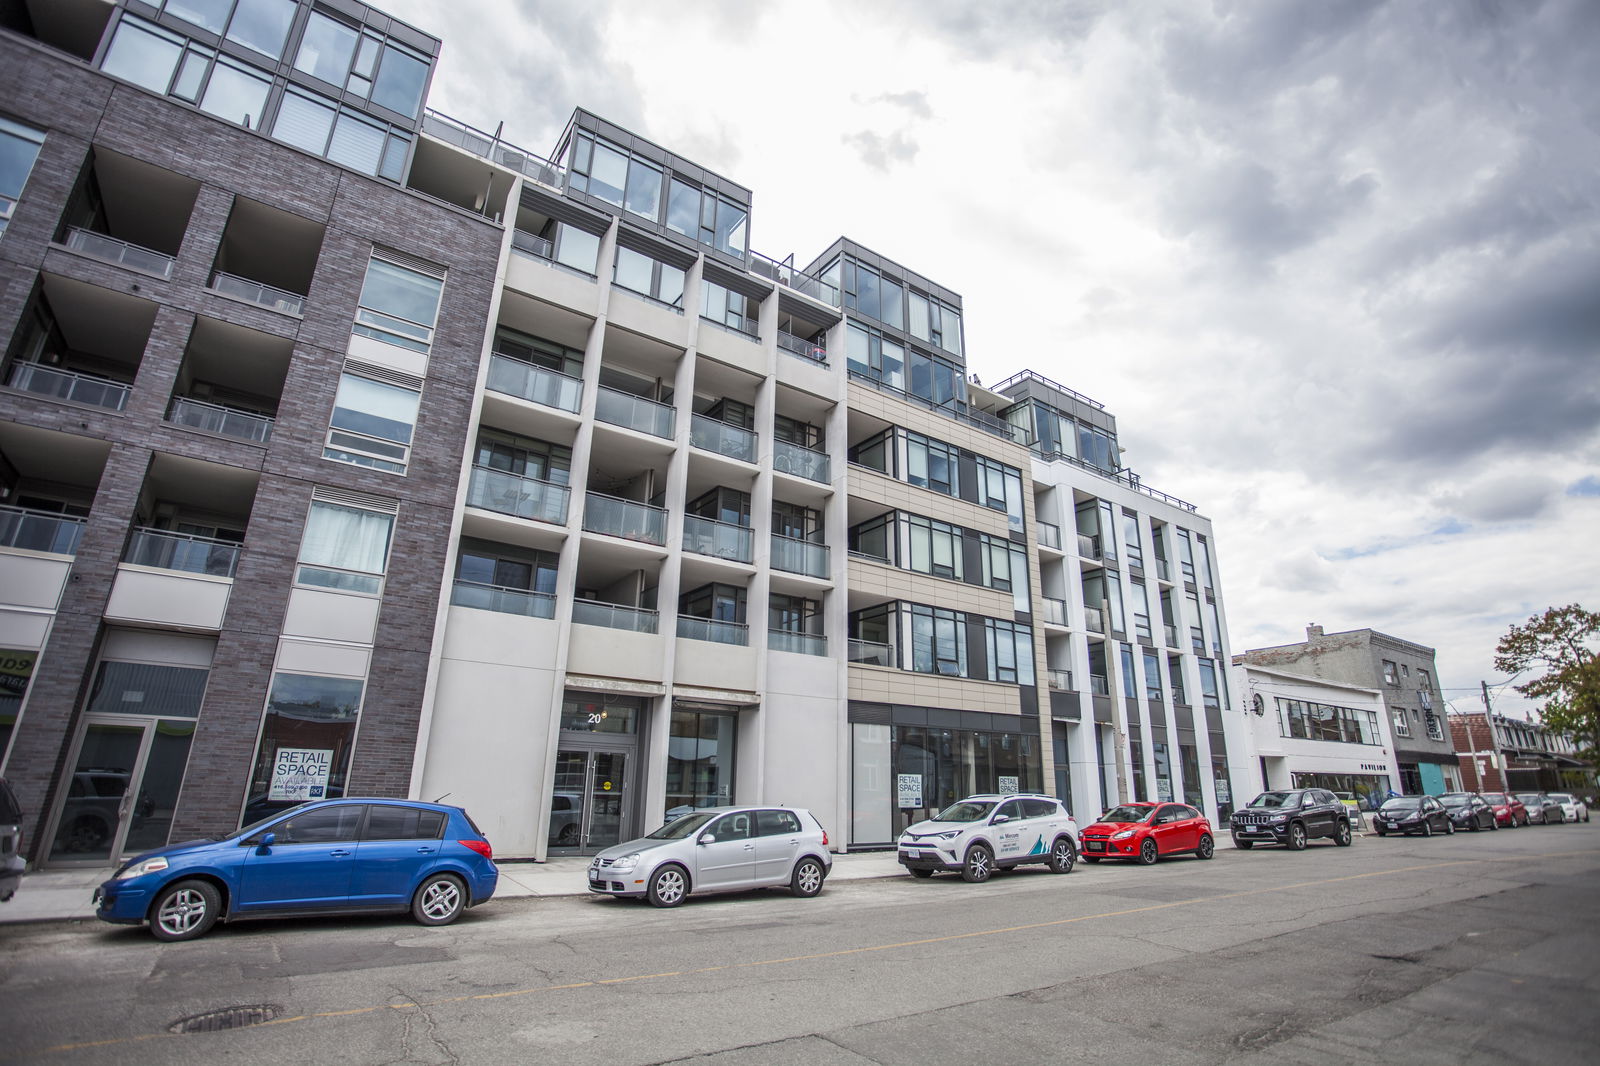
point(794, 556)
point(1099, 685)
point(721, 540)
point(711, 435)
point(119, 252)
point(258, 292)
point(801, 347)
point(1049, 535)
point(39, 531)
point(503, 600)
point(225, 421)
point(1171, 632)
point(785, 273)
point(798, 643)
point(1197, 639)
point(1055, 612)
point(615, 616)
point(871, 653)
point(1163, 571)
point(513, 377)
point(634, 412)
point(68, 385)
point(715, 631)
point(789, 458)
point(489, 146)
point(521, 497)
point(953, 409)
point(1059, 680)
point(1088, 546)
point(166, 550)
point(1093, 619)
point(627, 519)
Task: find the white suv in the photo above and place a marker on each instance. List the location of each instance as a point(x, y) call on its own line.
point(981, 834)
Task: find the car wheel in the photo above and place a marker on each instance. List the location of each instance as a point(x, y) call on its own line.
point(806, 880)
point(1427, 828)
point(1449, 828)
point(440, 899)
point(1380, 832)
point(979, 865)
point(1063, 856)
point(1494, 823)
point(568, 837)
point(1297, 837)
point(668, 886)
point(1148, 853)
point(921, 873)
point(1341, 835)
point(1207, 848)
point(185, 910)
point(1243, 845)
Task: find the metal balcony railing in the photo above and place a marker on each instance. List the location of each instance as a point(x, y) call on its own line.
point(111, 250)
point(799, 643)
point(335, 577)
point(871, 653)
point(634, 412)
point(68, 385)
point(503, 600)
point(534, 245)
point(615, 616)
point(790, 458)
point(537, 384)
point(1171, 632)
point(182, 551)
point(802, 347)
point(713, 630)
point(711, 435)
point(39, 531)
point(1163, 571)
point(720, 540)
point(627, 519)
point(215, 418)
point(257, 292)
point(954, 409)
point(795, 556)
point(521, 497)
point(489, 146)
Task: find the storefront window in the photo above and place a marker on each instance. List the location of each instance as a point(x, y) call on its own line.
point(582, 714)
point(16, 669)
point(306, 738)
point(1369, 790)
point(700, 756)
point(932, 768)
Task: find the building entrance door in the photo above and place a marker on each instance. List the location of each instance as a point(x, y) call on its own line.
point(590, 804)
point(123, 789)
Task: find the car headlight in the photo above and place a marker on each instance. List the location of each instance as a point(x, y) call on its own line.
point(625, 864)
point(1124, 835)
point(1280, 818)
point(947, 836)
point(139, 869)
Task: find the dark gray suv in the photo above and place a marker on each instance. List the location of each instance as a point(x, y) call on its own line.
point(1291, 817)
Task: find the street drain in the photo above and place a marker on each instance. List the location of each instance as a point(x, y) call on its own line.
point(227, 1018)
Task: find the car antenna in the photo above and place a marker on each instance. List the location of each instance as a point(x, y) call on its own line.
point(440, 798)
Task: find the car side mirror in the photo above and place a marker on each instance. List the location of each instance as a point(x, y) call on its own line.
point(997, 819)
point(265, 840)
point(706, 838)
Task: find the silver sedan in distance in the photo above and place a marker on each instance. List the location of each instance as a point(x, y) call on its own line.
point(718, 849)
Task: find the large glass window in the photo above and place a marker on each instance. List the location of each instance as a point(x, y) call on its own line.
point(870, 293)
point(938, 641)
point(372, 424)
point(728, 308)
point(700, 760)
point(344, 547)
point(932, 464)
point(307, 735)
point(262, 25)
point(19, 147)
point(236, 93)
point(317, 125)
point(148, 688)
point(642, 196)
point(934, 321)
point(326, 48)
point(143, 54)
point(398, 305)
point(1010, 648)
point(401, 79)
point(872, 355)
point(935, 547)
point(1307, 720)
point(524, 456)
point(639, 273)
point(1152, 676)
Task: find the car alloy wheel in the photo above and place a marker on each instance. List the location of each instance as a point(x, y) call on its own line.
point(1341, 835)
point(979, 864)
point(1063, 856)
point(668, 886)
point(1148, 853)
point(807, 878)
point(185, 910)
point(440, 899)
point(1297, 837)
point(1449, 828)
point(1427, 828)
point(1207, 848)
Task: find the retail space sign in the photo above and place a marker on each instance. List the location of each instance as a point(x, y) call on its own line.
point(300, 774)
point(1224, 793)
point(1008, 785)
point(909, 787)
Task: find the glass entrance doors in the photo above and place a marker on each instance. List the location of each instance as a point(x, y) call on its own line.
point(123, 790)
point(589, 803)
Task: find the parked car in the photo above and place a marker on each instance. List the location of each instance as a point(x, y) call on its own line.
point(1573, 809)
point(1412, 814)
point(981, 834)
point(11, 862)
point(1146, 832)
point(1508, 810)
point(1542, 810)
point(1468, 810)
point(326, 857)
point(1291, 817)
point(718, 849)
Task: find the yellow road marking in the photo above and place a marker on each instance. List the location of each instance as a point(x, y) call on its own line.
point(840, 953)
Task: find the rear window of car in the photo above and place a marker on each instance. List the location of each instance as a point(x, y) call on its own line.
point(776, 823)
point(402, 823)
point(325, 825)
point(1039, 808)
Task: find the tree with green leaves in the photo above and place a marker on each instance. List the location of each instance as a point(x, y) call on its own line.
point(1560, 643)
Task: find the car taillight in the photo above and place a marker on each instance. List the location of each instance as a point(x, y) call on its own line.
point(824, 838)
point(480, 846)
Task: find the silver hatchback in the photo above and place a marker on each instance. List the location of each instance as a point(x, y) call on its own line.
point(718, 849)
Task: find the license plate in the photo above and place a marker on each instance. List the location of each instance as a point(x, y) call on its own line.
point(1094, 845)
point(1392, 825)
point(913, 853)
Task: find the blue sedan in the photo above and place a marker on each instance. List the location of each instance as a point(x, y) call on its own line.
point(333, 856)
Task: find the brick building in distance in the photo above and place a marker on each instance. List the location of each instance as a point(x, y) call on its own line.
point(1502, 754)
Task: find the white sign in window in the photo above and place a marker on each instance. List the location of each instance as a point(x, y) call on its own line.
point(909, 788)
point(1008, 785)
point(300, 774)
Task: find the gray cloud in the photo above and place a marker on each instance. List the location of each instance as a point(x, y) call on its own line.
point(878, 151)
point(914, 101)
point(1502, 498)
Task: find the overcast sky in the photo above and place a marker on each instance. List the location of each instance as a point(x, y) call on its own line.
point(1334, 266)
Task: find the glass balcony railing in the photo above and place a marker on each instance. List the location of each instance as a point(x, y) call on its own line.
point(1094, 620)
point(795, 556)
point(1099, 685)
point(1088, 547)
point(872, 653)
point(503, 600)
point(785, 273)
point(111, 250)
point(1059, 680)
point(615, 616)
point(521, 497)
point(713, 630)
point(489, 146)
point(39, 531)
point(802, 347)
point(1049, 535)
point(799, 643)
point(634, 412)
point(67, 385)
point(534, 245)
point(181, 551)
point(1197, 639)
point(627, 519)
point(714, 436)
point(258, 293)
point(226, 421)
point(1171, 632)
point(720, 540)
point(1055, 611)
point(789, 458)
point(1162, 570)
point(513, 377)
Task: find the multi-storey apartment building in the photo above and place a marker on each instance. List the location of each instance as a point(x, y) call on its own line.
point(1498, 754)
point(345, 449)
point(1406, 675)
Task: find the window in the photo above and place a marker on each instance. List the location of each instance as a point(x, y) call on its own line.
point(1097, 447)
point(524, 456)
point(317, 125)
point(1141, 613)
point(372, 424)
point(794, 614)
point(1186, 559)
point(1402, 726)
point(1000, 489)
point(1175, 672)
point(1305, 720)
point(327, 825)
point(1208, 685)
point(260, 25)
point(934, 321)
point(310, 719)
point(703, 216)
point(236, 93)
point(385, 822)
point(938, 641)
point(725, 307)
point(1130, 539)
point(1152, 676)
point(935, 547)
point(169, 63)
point(870, 293)
point(399, 305)
point(1128, 681)
point(932, 464)
point(1390, 675)
point(872, 355)
point(482, 562)
point(344, 547)
point(19, 147)
point(638, 273)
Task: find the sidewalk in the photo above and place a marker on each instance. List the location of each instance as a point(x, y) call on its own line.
point(64, 895)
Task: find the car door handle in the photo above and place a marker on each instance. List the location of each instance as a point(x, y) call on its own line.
point(749, 847)
point(340, 853)
point(424, 851)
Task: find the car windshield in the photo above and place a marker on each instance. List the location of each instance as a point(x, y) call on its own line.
point(1276, 799)
point(1562, 797)
point(1455, 801)
point(1498, 798)
point(966, 811)
point(1126, 814)
point(679, 828)
point(1402, 803)
point(1528, 797)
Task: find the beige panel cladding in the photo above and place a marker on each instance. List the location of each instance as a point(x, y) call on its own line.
point(879, 488)
point(885, 685)
point(870, 578)
point(920, 419)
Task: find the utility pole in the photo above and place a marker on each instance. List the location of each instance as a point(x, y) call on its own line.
point(1488, 708)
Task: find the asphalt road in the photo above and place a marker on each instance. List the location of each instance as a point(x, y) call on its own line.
point(1476, 948)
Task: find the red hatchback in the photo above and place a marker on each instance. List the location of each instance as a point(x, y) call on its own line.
point(1508, 810)
point(1146, 832)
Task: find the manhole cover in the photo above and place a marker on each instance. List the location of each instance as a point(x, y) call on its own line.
point(227, 1018)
